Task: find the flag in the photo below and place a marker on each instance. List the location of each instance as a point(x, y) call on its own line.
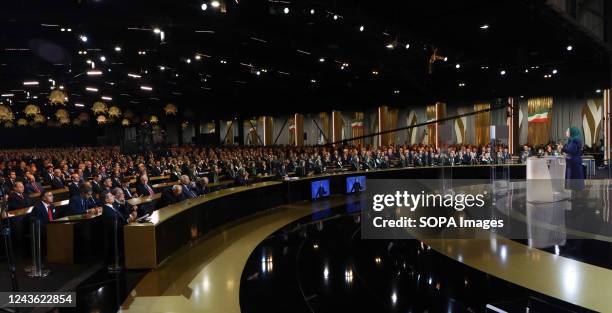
point(538, 117)
point(357, 124)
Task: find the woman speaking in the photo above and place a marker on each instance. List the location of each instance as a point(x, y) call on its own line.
point(574, 174)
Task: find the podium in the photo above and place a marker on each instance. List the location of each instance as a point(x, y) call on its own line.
point(546, 179)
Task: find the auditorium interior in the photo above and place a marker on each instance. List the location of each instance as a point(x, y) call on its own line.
point(261, 156)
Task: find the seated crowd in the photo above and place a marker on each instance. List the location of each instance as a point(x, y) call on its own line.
point(89, 174)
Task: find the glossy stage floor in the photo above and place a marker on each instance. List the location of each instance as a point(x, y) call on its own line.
point(309, 257)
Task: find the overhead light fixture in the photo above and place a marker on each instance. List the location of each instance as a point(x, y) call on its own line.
point(461, 84)
point(204, 6)
point(374, 72)
point(390, 46)
point(215, 4)
point(147, 88)
point(107, 98)
point(396, 92)
point(83, 38)
point(94, 73)
point(321, 60)
point(598, 91)
point(156, 30)
point(133, 75)
point(569, 48)
point(335, 17)
point(555, 71)
point(407, 46)
point(117, 48)
point(312, 11)
point(457, 66)
point(445, 59)
point(161, 67)
point(526, 70)
point(30, 83)
point(7, 95)
point(223, 62)
point(197, 57)
point(188, 61)
point(502, 72)
point(286, 10)
point(258, 73)
point(313, 81)
point(80, 105)
point(91, 89)
point(361, 28)
point(102, 58)
point(485, 26)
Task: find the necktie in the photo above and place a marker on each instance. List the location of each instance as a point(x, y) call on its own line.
point(150, 190)
point(36, 187)
point(50, 212)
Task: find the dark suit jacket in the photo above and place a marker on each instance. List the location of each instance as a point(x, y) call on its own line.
point(57, 183)
point(29, 188)
point(143, 191)
point(18, 201)
point(40, 212)
point(110, 213)
point(96, 187)
point(156, 171)
point(127, 193)
point(47, 178)
point(189, 192)
point(73, 189)
point(78, 205)
point(168, 198)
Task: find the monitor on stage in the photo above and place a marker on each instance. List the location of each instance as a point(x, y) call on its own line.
point(355, 184)
point(319, 188)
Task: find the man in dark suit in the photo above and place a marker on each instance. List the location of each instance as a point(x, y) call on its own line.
point(47, 177)
point(187, 187)
point(74, 187)
point(110, 216)
point(156, 170)
point(10, 181)
point(96, 184)
point(172, 195)
point(143, 188)
point(44, 210)
point(32, 186)
point(202, 186)
point(89, 170)
point(17, 198)
point(58, 180)
point(125, 187)
point(83, 202)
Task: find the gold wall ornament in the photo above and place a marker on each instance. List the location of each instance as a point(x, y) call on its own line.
point(114, 111)
point(83, 117)
point(31, 110)
point(61, 114)
point(170, 109)
point(125, 122)
point(101, 119)
point(39, 119)
point(5, 113)
point(153, 119)
point(9, 124)
point(58, 97)
point(433, 58)
point(99, 107)
point(22, 122)
point(64, 120)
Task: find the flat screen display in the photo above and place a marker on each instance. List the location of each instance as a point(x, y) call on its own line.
point(319, 188)
point(355, 184)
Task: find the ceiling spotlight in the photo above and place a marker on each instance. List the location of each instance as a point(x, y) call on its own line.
point(156, 30)
point(374, 72)
point(390, 46)
point(485, 26)
point(133, 75)
point(445, 59)
point(569, 48)
point(83, 38)
point(102, 58)
point(204, 6)
point(598, 91)
point(147, 88)
point(555, 71)
point(258, 73)
point(484, 67)
point(321, 60)
point(407, 46)
point(526, 70)
point(63, 29)
point(223, 62)
point(215, 4)
point(361, 28)
point(312, 11)
point(91, 89)
point(69, 29)
point(107, 98)
point(7, 95)
point(118, 49)
point(396, 92)
point(503, 72)
point(461, 84)
point(335, 17)
point(80, 105)
point(188, 61)
point(286, 10)
point(313, 81)
point(161, 68)
point(30, 83)
point(197, 57)
point(457, 66)
point(94, 73)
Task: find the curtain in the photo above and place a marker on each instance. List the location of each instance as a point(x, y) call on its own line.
point(431, 128)
point(540, 115)
point(357, 128)
point(229, 139)
point(392, 124)
point(592, 116)
point(483, 123)
point(461, 127)
point(412, 132)
point(324, 117)
point(292, 131)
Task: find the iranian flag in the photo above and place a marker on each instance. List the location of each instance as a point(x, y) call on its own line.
point(538, 117)
point(357, 124)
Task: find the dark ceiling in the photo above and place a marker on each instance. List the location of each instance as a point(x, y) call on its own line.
point(253, 58)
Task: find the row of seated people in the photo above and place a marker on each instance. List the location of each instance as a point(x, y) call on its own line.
point(107, 167)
